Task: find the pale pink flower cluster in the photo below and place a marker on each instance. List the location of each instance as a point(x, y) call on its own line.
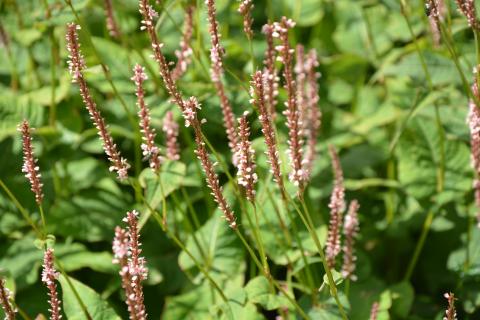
point(270, 72)
point(213, 183)
point(245, 10)
point(350, 230)
point(49, 276)
point(337, 206)
point(467, 7)
point(311, 115)
point(126, 250)
point(450, 313)
point(374, 311)
point(170, 128)
point(473, 120)
point(245, 156)
point(76, 66)
point(183, 55)
point(257, 92)
point(149, 150)
point(111, 23)
point(216, 71)
point(295, 141)
point(30, 167)
point(6, 298)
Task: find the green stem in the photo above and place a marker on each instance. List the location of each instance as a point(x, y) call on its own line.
point(20, 208)
point(75, 292)
point(418, 249)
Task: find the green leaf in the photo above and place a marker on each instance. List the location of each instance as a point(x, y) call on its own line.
point(95, 305)
point(259, 292)
point(156, 189)
point(402, 299)
point(419, 160)
point(219, 250)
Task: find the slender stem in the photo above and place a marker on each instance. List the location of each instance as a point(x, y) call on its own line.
point(20, 208)
point(42, 215)
point(75, 292)
point(418, 249)
point(313, 234)
point(269, 278)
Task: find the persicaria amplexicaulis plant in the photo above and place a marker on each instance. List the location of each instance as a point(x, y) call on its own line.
point(170, 129)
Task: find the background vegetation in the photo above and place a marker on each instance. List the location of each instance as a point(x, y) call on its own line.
point(401, 135)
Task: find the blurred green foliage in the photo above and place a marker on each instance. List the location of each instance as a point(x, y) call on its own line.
point(377, 109)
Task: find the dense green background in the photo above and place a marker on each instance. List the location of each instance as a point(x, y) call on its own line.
point(377, 110)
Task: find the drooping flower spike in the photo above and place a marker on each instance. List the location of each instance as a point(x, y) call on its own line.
point(76, 66)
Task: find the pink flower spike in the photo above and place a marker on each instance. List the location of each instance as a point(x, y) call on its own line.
point(6, 298)
point(295, 142)
point(30, 166)
point(450, 313)
point(337, 206)
point(126, 250)
point(216, 71)
point(183, 55)
point(76, 65)
point(245, 10)
point(112, 26)
point(149, 149)
point(270, 72)
point(170, 128)
point(245, 156)
point(350, 230)
point(49, 276)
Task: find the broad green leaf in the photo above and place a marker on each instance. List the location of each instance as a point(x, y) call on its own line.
point(219, 249)
point(419, 160)
point(95, 306)
point(171, 178)
point(259, 291)
point(402, 299)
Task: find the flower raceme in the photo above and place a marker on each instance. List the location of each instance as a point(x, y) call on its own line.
point(190, 115)
point(6, 297)
point(76, 64)
point(49, 276)
point(257, 92)
point(350, 230)
point(30, 167)
point(149, 149)
point(170, 129)
point(295, 142)
point(337, 206)
point(183, 55)
point(245, 9)
point(126, 251)
point(245, 156)
point(216, 72)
